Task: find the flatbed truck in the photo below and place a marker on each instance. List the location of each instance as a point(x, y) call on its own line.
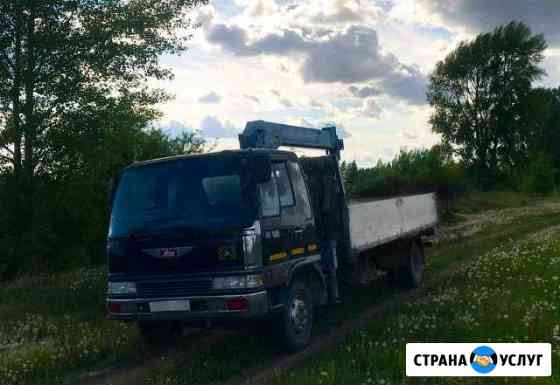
point(255, 234)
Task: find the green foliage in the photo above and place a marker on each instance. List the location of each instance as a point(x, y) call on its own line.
point(479, 93)
point(64, 63)
point(542, 118)
point(539, 175)
point(74, 107)
point(69, 226)
point(350, 174)
point(410, 172)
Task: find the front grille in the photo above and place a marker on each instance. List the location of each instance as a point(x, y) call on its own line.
point(174, 288)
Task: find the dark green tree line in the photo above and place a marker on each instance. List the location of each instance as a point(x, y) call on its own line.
point(409, 172)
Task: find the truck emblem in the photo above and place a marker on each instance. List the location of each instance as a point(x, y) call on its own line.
point(168, 252)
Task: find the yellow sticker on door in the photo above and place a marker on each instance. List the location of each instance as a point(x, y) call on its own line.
point(278, 256)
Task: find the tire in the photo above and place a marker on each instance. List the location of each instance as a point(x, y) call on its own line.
point(412, 273)
point(296, 320)
point(159, 333)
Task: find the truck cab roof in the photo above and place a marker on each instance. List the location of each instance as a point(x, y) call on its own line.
point(272, 153)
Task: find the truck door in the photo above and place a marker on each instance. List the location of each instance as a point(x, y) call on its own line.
point(306, 235)
point(287, 222)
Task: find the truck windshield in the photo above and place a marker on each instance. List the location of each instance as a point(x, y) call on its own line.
point(199, 193)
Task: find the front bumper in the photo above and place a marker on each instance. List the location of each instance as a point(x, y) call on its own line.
point(202, 308)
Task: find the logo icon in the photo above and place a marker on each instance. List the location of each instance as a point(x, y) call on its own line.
point(483, 359)
point(168, 252)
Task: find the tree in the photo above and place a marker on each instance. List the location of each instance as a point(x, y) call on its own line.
point(60, 59)
point(350, 175)
point(478, 92)
point(74, 107)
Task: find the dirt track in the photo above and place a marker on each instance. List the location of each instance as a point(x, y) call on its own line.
point(472, 224)
point(134, 373)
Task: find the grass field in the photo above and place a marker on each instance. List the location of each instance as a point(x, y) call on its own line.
point(53, 328)
point(508, 294)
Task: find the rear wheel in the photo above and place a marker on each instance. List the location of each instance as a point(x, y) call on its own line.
point(412, 273)
point(296, 320)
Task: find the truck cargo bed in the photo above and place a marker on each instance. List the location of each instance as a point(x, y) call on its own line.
point(377, 222)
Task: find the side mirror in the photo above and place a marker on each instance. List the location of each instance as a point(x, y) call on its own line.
point(262, 169)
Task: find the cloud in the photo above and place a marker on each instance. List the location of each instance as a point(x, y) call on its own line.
point(483, 15)
point(260, 8)
point(212, 127)
point(252, 98)
point(370, 109)
point(347, 11)
point(317, 104)
point(212, 98)
point(286, 103)
point(409, 134)
point(173, 127)
point(235, 40)
point(406, 83)
point(342, 132)
point(230, 38)
point(204, 16)
point(275, 92)
point(350, 56)
point(363, 92)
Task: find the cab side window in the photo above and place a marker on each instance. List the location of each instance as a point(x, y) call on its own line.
point(277, 193)
point(268, 196)
point(284, 185)
point(300, 188)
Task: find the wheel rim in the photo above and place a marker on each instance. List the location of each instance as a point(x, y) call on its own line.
point(299, 316)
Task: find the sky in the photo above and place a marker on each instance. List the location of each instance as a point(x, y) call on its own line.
point(362, 65)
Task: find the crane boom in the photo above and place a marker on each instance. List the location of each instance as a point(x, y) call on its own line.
point(261, 134)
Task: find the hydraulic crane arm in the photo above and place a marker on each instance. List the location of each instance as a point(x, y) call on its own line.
point(261, 134)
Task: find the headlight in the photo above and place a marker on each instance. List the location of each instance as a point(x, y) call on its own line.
point(122, 288)
point(238, 282)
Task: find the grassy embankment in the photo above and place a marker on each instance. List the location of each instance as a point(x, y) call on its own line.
point(53, 327)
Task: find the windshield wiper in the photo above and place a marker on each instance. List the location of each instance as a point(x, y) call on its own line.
point(170, 231)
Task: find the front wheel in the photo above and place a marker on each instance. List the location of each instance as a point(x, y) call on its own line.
point(296, 320)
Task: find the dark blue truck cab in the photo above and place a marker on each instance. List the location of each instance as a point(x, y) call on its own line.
point(215, 237)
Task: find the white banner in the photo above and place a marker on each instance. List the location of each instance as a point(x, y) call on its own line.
point(478, 360)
